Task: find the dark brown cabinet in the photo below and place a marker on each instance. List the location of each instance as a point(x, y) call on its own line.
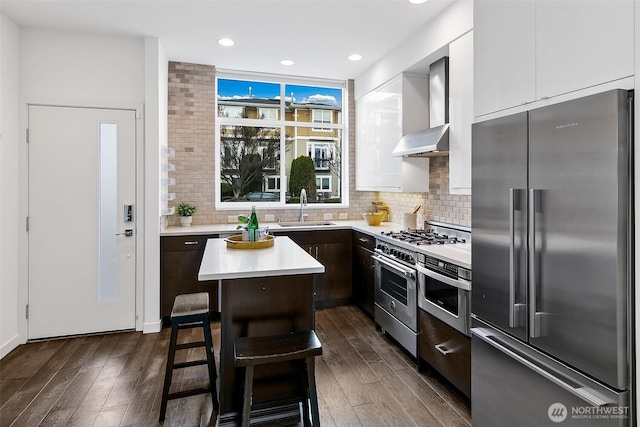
point(180, 258)
point(333, 249)
point(363, 292)
point(446, 350)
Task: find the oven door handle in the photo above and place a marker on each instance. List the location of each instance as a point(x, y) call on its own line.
point(460, 283)
point(399, 267)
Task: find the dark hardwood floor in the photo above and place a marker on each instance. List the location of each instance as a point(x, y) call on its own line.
point(116, 380)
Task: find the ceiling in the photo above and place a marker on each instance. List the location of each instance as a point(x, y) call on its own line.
point(318, 35)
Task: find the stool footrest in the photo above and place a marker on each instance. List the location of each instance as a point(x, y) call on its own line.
point(197, 323)
point(190, 364)
point(187, 345)
point(187, 393)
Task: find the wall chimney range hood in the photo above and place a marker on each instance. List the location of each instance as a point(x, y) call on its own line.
point(435, 140)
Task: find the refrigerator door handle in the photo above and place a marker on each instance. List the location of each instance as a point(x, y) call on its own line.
point(534, 324)
point(584, 393)
point(515, 308)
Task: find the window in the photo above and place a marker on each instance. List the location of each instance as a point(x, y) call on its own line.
point(322, 116)
point(269, 113)
point(272, 183)
point(323, 184)
point(230, 111)
point(321, 153)
point(265, 123)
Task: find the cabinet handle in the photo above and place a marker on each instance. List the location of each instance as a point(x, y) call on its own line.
point(190, 243)
point(316, 252)
point(441, 348)
point(363, 240)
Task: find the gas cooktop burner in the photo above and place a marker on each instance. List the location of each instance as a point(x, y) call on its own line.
point(423, 237)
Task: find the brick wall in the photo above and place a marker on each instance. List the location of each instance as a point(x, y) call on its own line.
point(191, 135)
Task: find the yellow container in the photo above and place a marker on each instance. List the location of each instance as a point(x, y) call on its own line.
point(373, 218)
point(236, 242)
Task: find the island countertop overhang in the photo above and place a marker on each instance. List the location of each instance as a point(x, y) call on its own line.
point(284, 258)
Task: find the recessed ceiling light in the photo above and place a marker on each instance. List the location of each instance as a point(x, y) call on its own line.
point(226, 42)
point(286, 62)
point(355, 57)
point(417, 1)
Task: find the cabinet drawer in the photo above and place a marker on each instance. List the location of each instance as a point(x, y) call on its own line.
point(364, 240)
point(183, 243)
point(446, 350)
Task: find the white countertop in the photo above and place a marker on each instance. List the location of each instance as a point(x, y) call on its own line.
point(284, 258)
point(459, 253)
point(360, 225)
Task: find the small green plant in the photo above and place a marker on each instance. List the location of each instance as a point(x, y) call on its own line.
point(244, 222)
point(186, 209)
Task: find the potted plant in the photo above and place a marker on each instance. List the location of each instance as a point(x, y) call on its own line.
point(186, 211)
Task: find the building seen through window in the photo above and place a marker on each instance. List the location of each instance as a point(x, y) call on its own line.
point(275, 138)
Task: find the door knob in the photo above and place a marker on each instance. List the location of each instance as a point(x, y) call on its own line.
point(127, 233)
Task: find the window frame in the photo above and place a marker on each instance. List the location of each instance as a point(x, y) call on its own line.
point(283, 124)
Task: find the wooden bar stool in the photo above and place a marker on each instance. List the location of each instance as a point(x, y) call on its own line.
point(300, 345)
point(190, 311)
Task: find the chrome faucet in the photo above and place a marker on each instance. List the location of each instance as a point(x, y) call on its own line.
point(303, 202)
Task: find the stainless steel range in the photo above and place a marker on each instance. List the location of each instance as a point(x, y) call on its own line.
point(422, 258)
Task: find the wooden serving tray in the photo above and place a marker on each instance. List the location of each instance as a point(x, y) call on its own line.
point(236, 242)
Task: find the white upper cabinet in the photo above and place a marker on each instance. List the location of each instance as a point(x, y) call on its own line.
point(383, 116)
point(378, 125)
point(460, 113)
point(530, 50)
point(504, 54)
point(582, 43)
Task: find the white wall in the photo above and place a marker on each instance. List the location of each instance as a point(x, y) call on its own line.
point(156, 116)
point(81, 68)
point(61, 68)
point(9, 197)
point(452, 23)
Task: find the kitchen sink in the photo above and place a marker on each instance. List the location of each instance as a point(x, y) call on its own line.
point(306, 224)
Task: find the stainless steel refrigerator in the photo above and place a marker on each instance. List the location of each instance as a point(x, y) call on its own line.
point(552, 243)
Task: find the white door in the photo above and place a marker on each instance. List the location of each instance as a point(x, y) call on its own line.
point(81, 259)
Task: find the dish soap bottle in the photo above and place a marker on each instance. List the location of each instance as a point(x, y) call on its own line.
point(252, 226)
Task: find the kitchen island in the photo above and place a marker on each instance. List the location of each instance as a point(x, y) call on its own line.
point(265, 291)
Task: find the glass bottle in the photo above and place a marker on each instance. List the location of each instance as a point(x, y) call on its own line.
point(252, 226)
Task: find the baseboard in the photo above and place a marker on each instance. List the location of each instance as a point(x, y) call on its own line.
point(7, 347)
point(152, 327)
